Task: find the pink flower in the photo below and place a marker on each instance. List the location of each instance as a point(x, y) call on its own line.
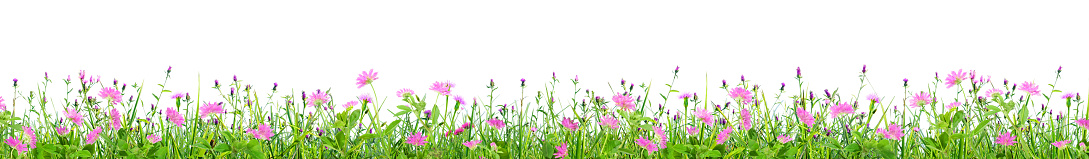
point(569, 124)
point(62, 130)
point(459, 100)
point(175, 117)
point(263, 132)
point(955, 77)
point(624, 102)
point(1060, 144)
point(3, 107)
point(405, 92)
point(662, 137)
point(647, 144)
point(1065, 96)
point(498, 124)
point(533, 129)
point(366, 78)
point(874, 98)
point(841, 108)
point(33, 139)
point(366, 97)
point(952, 105)
point(1029, 87)
point(692, 130)
point(805, 117)
point(442, 87)
point(723, 135)
point(920, 99)
point(91, 137)
point(740, 93)
point(893, 132)
point(561, 151)
point(746, 119)
point(1006, 139)
point(704, 116)
point(73, 115)
point(350, 104)
point(115, 119)
point(316, 98)
point(784, 139)
point(209, 108)
point(419, 139)
point(1083, 123)
point(471, 144)
point(994, 92)
point(177, 95)
point(153, 138)
point(111, 95)
point(609, 121)
point(685, 95)
point(16, 144)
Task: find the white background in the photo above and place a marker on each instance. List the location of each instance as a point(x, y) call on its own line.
point(311, 45)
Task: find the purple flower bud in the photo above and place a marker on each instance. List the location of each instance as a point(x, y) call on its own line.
point(1005, 82)
point(46, 74)
point(827, 94)
point(576, 77)
point(217, 83)
point(742, 78)
point(863, 68)
point(783, 86)
point(235, 78)
point(427, 113)
point(799, 72)
point(678, 69)
point(114, 81)
point(274, 85)
point(232, 90)
point(168, 68)
point(723, 83)
point(1060, 69)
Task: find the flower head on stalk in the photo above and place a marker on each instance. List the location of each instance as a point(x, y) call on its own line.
point(1029, 87)
point(442, 87)
point(625, 102)
point(367, 77)
point(742, 94)
point(955, 77)
point(209, 108)
point(317, 98)
point(111, 95)
point(405, 92)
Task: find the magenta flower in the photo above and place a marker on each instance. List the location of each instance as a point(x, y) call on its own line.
point(892, 132)
point(955, 77)
point(496, 123)
point(647, 144)
point(62, 131)
point(73, 115)
point(33, 139)
point(366, 98)
point(177, 95)
point(1006, 139)
point(111, 95)
point(3, 107)
point(154, 138)
point(471, 144)
point(569, 124)
point(1060, 144)
point(459, 100)
point(93, 136)
point(873, 98)
point(841, 108)
point(805, 117)
point(920, 99)
point(115, 119)
point(692, 130)
point(704, 116)
point(366, 78)
point(209, 108)
point(405, 92)
point(746, 119)
point(1083, 123)
point(784, 139)
point(16, 144)
point(740, 93)
point(1029, 87)
point(317, 98)
point(561, 151)
point(350, 104)
point(609, 121)
point(952, 105)
point(262, 132)
point(625, 102)
point(442, 87)
point(685, 95)
point(1065, 96)
point(662, 137)
point(723, 135)
point(994, 92)
point(419, 139)
point(175, 117)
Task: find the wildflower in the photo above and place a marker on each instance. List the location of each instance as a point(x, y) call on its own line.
point(561, 151)
point(459, 100)
point(647, 144)
point(153, 138)
point(366, 98)
point(316, 98)
point(350, 104)
point(920, 99)
point(692, 130)
point(442, 87)
point(209, 108)
point(1065, 96)
point(74, 116)
point(3, 107)
point(892, 132)
point(841, 108)
point(746, 119)
point(685, 95)
point(262, 132)
point(62, 130)
point(1029, 87)
point(175, 117)
point(954, 78)
point(994, 92)
point(952, 105)
point(471, 144)
point(115, 119)
point(569, 124)
point(1083, 123)
point(533, 129)
point(33, 139)
point(724, 134)
point(873, 98)
point(498, 124)
point(609, 121)
point(625, 102)
point(91, 137)
point(1005, 139)
point(805, 117)
point(1060, 144)
point(367, 77)
point(784, 139)
point(111, 95)
point(419, 139)
point(662, 138)
point(16, 144)
point(704, 116)
point(405, 92)
point(177, 95)
point(740, 93)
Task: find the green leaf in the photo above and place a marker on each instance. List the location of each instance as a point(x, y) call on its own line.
point(82, 153)
point(711, 153)
point(673, 91)
point(389, 128)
